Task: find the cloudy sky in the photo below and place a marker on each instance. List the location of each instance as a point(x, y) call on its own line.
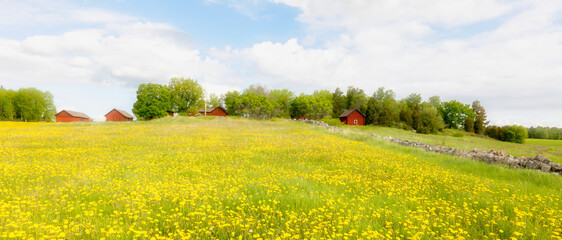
point(92, 55)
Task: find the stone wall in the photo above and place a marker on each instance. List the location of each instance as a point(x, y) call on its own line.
point(539, 162)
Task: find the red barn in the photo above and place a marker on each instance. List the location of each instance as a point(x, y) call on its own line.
point(353, 117)
point(72, 116)
point(218, 111)
point(117, 115)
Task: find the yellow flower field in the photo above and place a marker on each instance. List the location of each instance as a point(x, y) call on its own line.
point(241, 179)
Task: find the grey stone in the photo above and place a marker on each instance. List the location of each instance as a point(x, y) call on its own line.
point(545, 167)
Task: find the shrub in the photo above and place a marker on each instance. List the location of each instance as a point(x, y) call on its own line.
point(513, 133)
point(458, 134)
point(431, 121)
point(516, 134)
point(333, 122)
point(496, 132)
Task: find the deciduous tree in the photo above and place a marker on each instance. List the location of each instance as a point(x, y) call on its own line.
point(153, 101)
point(186, 95)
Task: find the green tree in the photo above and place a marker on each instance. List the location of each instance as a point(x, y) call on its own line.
point(300, 106)
point(431, 120)
point(339, 103)
point(480, 119)
point(435, 102)
point(373, 110)
point(321, 104)
point(232, 103)
point(153, 101)
point(32, 104)
point(406, 117)
point(356, 98)
point(389, 110)
point(282, 99)
point(516, 134)
point(468, 125)
point(7, 107)
point(186, 95)
point(386, 116)
point(254, 105)
point(454, 113)
point(215, 101)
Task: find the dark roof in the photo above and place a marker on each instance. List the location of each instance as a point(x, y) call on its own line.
point(347, 112)
point(209, 110)
point(75, 114)
point(122, 112)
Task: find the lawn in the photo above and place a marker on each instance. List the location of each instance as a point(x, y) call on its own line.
point(182, 178)
point(549, 148)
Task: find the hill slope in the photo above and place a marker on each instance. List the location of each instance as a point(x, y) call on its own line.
point(551, 149)
point(221, 178)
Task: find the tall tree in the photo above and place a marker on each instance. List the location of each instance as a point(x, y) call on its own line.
point(389, 111)
point(232, 103)
point(153, 101)
point(338, 103)
point(32, 104)
point(301, 106)
point(480, 119)
point(356, 98)
point(7, 107)
point(435, 102)
point(186, 95)
point(454, 113)
point(215, 101)
point(321, 104)
point(282, 99)
point(373, 110)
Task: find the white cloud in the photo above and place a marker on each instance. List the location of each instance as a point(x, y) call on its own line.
point(512, 67)
point(26, 13)
point(504, 53)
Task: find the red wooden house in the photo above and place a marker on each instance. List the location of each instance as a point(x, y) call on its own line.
point(217, 111)
point(72, 116)
point(117, 115)
point(353, 117)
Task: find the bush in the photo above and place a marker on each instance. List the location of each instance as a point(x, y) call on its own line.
point(513, 133)
point(458, 134)
point(516, 134)
point(333, 122)
point(431, 121)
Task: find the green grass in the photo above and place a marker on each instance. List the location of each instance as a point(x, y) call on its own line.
point(544, 142)
point(465, 141)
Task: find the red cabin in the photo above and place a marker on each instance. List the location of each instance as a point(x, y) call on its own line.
point(72, 116)
point(353, 117)
point(218, 111)
point(117, 115)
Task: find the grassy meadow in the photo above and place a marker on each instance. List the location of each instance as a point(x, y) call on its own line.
point(205, 178)
point(459, 139)
point(544, 142)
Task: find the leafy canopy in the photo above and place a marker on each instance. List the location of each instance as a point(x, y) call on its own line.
point(153, 101)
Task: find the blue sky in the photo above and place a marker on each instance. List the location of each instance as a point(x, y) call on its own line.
point(93, 54)
point(215, 24)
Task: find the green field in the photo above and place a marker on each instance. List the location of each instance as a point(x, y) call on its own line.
point(549, 148)
point(544, 142)
point(206, 178)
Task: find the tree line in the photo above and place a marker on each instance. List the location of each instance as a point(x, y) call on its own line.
point(382, 108)
point(26, 104)
point(545, 133)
